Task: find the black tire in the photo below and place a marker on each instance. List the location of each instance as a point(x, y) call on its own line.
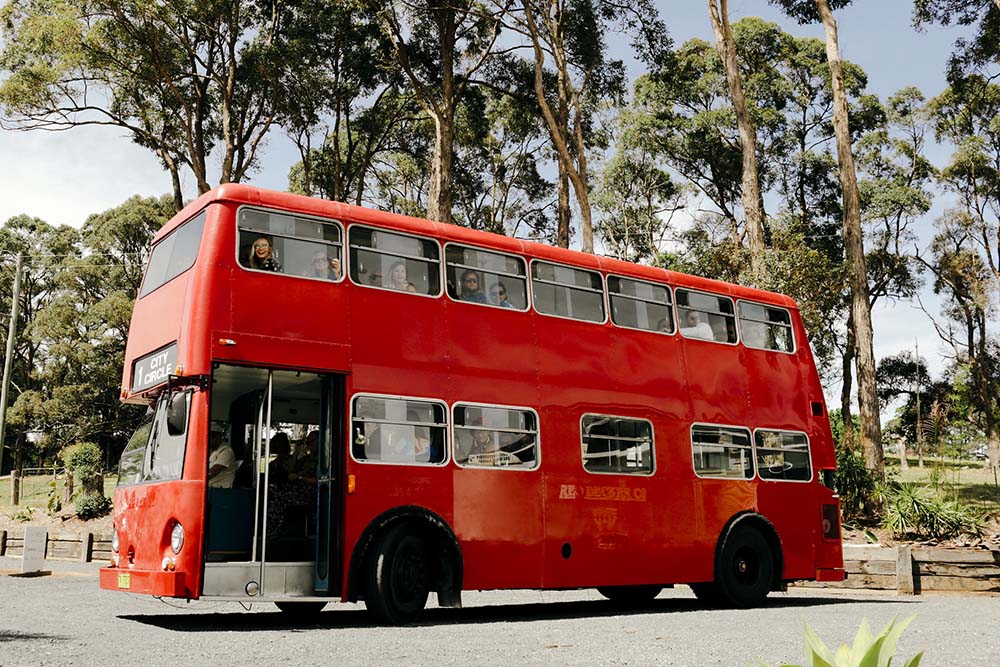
point(304, 609)
point(630, 595)
point(397, 575)
point(744, 571)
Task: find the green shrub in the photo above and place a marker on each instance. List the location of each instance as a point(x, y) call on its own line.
point(855, 484)
point(92, 505)
point(85, 462)
point(21, 515)
point(919, 511)
point(868, 650)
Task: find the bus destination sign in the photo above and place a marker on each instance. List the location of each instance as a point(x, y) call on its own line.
point(154, 368)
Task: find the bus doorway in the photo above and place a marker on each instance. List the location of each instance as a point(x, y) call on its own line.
point(273, 533)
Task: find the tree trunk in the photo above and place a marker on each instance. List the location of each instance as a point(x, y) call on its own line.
point(748, 137)
point(847, 386)
point(15, 476)
point(439, 197)
point(871, 429)
point(562, 232)
point(559, 132)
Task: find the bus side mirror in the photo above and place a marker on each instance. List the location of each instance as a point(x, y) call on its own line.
point(177, 414)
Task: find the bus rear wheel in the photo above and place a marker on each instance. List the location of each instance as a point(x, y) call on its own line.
point(300, 610)
point(630, 595)
point(745, 568)
point(397, 575)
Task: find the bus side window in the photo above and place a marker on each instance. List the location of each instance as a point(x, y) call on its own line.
point(304, 247)
point(398, 430)
point(394, 261)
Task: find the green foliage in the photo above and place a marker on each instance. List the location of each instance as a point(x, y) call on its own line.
point(21, 515)
point(855, 484)
point(912, 510)
point(868, 650)
point(92, 505)
point(53, 502)
point(84, 459)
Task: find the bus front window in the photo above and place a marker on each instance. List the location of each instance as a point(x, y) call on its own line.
point(156, 450)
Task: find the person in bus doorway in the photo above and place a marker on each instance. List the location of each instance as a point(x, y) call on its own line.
point(221, 459)
point(327, 268)
point(469, 289)
point(398, 279)
point(306, 460)
point(498, 296)
point(696, 328)
point(262, 255)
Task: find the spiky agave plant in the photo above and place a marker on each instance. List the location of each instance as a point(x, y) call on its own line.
point(868, 650)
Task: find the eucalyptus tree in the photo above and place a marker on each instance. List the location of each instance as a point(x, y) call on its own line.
point(439, 46)
point(970, 55)
point(84, 326)
point(45, 249)
point(187, 79)
point(340, 101)
point(568, 36)
point(753, 202)
point(965, 254)
point(812, 11)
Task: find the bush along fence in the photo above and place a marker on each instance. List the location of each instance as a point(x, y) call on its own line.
point(84, 548)
point(912, 570)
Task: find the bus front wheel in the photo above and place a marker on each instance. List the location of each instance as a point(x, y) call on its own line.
point(397, 575)
point(630, 595)
point(745, 569)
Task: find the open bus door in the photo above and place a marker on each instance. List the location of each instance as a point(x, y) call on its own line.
point(274, 534)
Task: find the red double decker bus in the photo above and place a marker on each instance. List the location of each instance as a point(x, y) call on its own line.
point(348, 404)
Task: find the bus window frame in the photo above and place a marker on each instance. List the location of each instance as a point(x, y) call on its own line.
point(677, 313)
point(526, 277)
point(423, 464)
point(671, 306)
point(436, 242)
point(652, 444)
point(513, 468)
point(809, 452)
point(790, 327)
point(735, 427)
point(604, 291)
point(270, 235)
point(194, 260)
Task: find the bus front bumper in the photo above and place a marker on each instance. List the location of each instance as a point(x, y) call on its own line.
point(149, 582)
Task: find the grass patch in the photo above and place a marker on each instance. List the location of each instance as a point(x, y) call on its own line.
point(965, 481)
point(35, 491)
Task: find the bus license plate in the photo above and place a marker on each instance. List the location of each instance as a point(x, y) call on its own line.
point(124, 579)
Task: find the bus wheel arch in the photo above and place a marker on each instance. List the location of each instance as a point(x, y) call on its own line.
point(748, 563)
point(442, 549)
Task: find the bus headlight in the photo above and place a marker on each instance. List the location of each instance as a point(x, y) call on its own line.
point(114, 541)
point(177, 538)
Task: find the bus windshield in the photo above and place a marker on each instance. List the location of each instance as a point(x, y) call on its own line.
point(155, 452)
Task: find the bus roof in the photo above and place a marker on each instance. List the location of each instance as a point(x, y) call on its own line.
point(246, 194)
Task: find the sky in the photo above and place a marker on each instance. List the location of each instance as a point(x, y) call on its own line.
point(62, 177)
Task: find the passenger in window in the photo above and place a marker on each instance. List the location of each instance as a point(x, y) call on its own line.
point(327, 268)
point(498, 296)
point(663, 325)
point(696, 328)
point(469, 289)
point(262, 255)
point(485, 451)
point(398, 278)
point(221, 459)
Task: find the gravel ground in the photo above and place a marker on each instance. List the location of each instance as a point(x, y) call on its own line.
point(65, 619)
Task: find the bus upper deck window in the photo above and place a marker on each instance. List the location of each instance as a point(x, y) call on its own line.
point(301, 246)
point(706, 316)
point(766, 327)
point(636, 304)
point(394, 261)
point(565, 291)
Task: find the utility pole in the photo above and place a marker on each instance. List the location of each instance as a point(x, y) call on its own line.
point(15, 302)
